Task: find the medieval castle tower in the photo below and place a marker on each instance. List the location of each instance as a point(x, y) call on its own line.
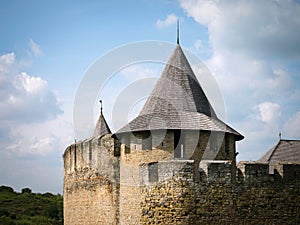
point(175, 163)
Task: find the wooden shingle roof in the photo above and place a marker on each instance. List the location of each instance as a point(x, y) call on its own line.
point(178, 87)
point(283, 151)
point(102, 127)
point(178, 102)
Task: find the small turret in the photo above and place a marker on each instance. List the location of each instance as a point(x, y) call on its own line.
point(102, 127)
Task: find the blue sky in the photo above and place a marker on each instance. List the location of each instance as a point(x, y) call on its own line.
point(251, 48)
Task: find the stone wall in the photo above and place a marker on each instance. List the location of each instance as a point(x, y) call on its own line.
point(181, 201)
point(89, 199)
point(104, 184)
point(91, 182)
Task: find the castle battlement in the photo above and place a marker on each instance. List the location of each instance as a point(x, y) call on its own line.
point(106, 184)
point(96, 153)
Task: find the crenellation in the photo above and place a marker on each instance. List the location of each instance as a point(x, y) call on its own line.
point(287, 172)
point(254, 173)
point(216, 171)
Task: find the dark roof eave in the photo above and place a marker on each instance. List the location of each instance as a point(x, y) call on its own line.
point(238, 136)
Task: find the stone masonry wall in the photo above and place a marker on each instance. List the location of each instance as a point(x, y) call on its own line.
point(89, 199)
point(105, 185)
point(180, 200)
point(91, 182)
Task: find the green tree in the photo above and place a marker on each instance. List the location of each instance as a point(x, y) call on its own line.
point(6, 189)
point(26, 190)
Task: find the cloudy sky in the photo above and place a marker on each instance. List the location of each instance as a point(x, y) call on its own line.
point(252, 49)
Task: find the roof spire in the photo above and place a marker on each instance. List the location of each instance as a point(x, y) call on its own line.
point(178, 31)
point(100, 106)
point(101, 127)
point(279, 135)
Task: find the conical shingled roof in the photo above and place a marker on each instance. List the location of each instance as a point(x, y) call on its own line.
point(178, 102)
point(101, 127)
point(179, 87)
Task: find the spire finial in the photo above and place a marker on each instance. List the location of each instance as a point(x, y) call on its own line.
point(100, 105)
point(279, 135)
point(178, 32)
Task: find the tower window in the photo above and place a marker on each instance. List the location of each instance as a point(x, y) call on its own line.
point(90, 151)
point(227, 148)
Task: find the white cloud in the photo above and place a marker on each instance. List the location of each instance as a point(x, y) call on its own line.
point(33, 129)
point(41, 139)
point(35, 48)
point(265, 28)
point(31, 85)
point(204, 12)
point(269, 112)
point(6, 61)
point(168, 21)
point(253, 43)
point(24, 98)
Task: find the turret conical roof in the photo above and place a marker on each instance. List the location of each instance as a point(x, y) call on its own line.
point(102, 127)
point(178, 102)
point(178, 89)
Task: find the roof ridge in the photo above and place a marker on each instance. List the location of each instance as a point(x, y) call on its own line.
point(289, 140)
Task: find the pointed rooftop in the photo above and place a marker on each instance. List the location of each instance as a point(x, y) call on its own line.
point(178, 89)
point(283, 151)
point(102, 127)
point(178, 101)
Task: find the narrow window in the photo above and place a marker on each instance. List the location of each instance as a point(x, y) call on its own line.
point(75, 156)
point(227, 148)
point(70, 156)
point(213, 141)
point(147, 141)
point(153, 172)
point(90, 151)
point(181, 151)
point(178, 144)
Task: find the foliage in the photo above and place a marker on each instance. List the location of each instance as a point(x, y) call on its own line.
point(6, 189)
point(26, 190)
point(29, 208)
